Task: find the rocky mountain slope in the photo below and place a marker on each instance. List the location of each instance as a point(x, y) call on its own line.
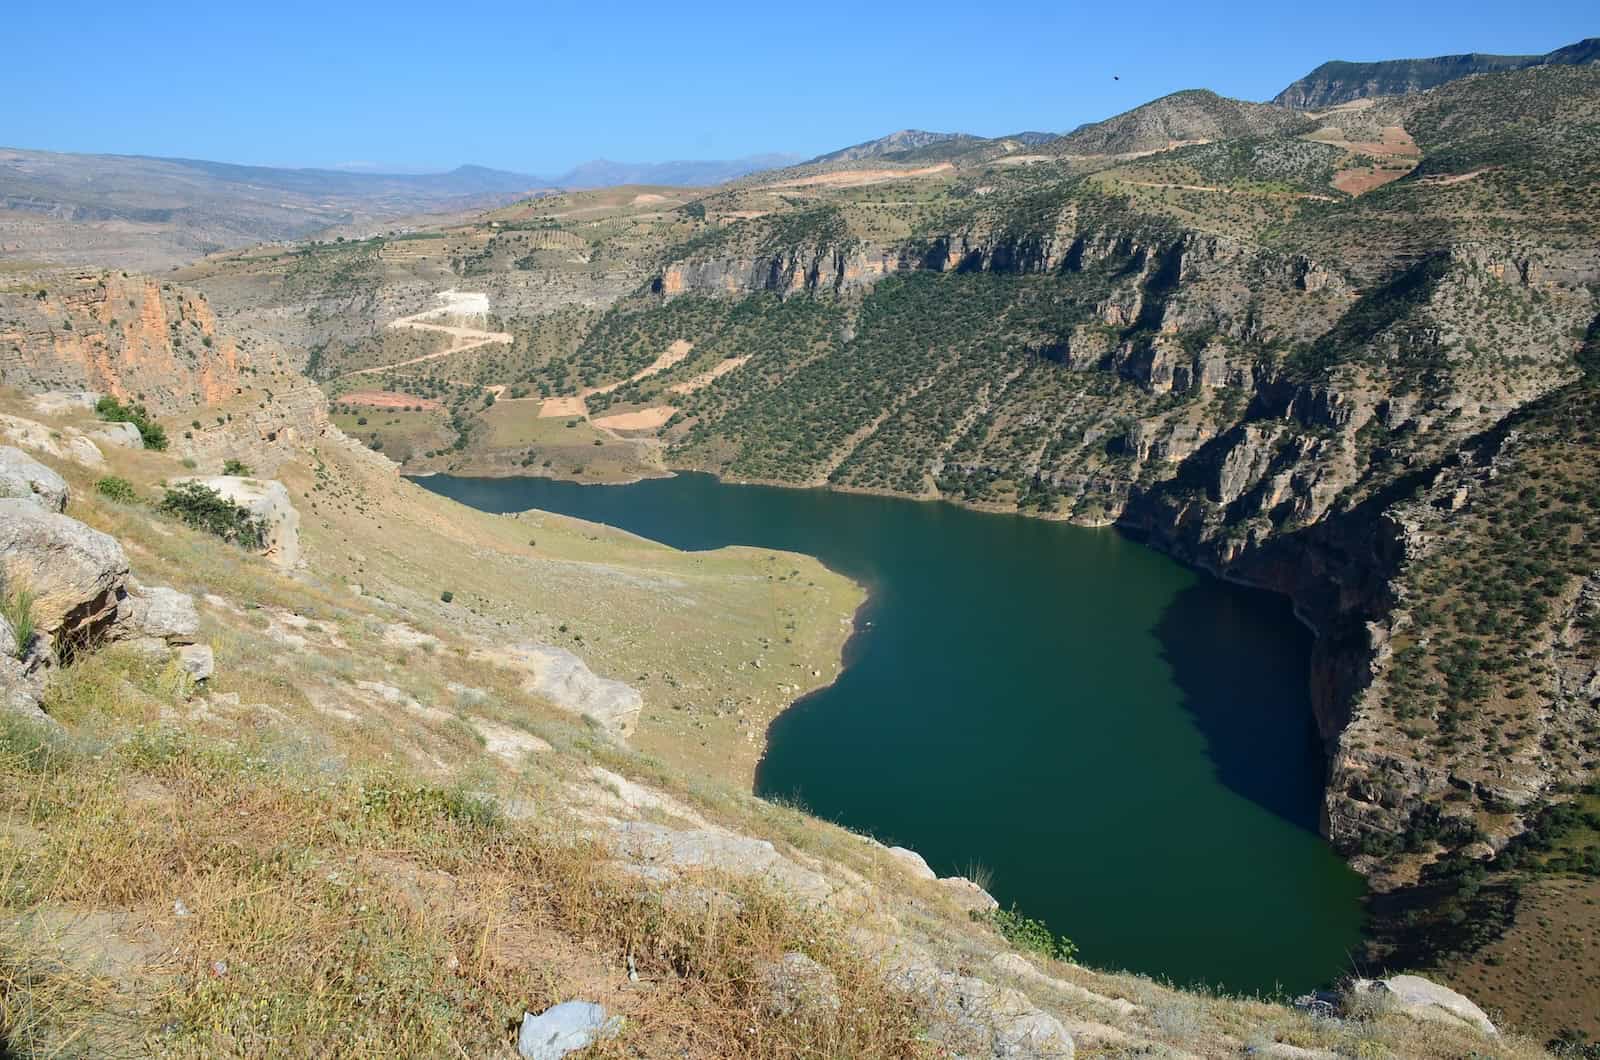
point(1187, 116)
point(1338, 82)
point(896, 143)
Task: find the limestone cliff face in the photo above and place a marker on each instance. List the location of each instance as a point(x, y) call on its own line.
point(1298, 419)
point(159, 344)
point(122, 334)
point(791, 270)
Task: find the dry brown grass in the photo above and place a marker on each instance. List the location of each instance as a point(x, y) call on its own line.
point(365, 913)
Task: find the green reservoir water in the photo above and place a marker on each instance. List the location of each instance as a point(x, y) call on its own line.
point(1126, 745)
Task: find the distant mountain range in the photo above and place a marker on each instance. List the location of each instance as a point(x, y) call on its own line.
point(601, 173)
point(147, 212)
point(151, 213)
point(1340, 82)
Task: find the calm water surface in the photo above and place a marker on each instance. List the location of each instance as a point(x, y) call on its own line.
point(1125, 744)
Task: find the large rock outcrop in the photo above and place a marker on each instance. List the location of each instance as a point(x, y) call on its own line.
point(1425, 999)
point(117, 333)
point(24, 478)
point(566, 680)
point(77, 575)
point(79, 596)
point(267, 501)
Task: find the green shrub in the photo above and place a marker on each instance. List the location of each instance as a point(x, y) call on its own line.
point(205, 509)
point(152, 433)
point(115, 488)
point(1035, 936)
point(16, 605)
point(231, 466)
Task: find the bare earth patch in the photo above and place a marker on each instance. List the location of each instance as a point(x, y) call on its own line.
point(705, 379)
point(562, 406)
point(642, 420)
point(1362, 180)
point(1393, 142)
point(388, 399)
point(850, 178)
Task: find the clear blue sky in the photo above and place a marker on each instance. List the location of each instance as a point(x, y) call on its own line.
point(537, 87)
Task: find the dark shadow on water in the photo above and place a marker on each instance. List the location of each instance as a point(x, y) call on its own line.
point(1240, 660)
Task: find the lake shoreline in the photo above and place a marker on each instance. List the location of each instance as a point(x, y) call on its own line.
point(993, 660)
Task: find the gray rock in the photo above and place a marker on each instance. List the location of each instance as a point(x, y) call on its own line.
point(565, 680)
point(76, 573)
point(269, 502)
point(1425, 999)
point(975, 1018)
point(159, 612)
point(1019, 967)
point(120, 435)
point(563, 1029)
point(23, 477)
point(798, 987)
point(22, 674)
point(198, 661)
point(699, 849)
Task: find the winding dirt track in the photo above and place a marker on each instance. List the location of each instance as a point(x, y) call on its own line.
point(463, 339)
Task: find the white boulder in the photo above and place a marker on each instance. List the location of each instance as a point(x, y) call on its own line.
point(1425, 999)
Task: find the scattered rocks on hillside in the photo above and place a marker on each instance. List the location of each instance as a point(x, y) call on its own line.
point(1426, 999)
point(24, 478)
point(198, 661)
point(159, 612)
point(269, 502)
point(976, 1018)
point(563, 1029)
point(400, 635)
point(702, 849)
point(503, 741)
point(565, 680)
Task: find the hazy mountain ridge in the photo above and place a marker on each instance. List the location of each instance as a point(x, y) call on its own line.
point(602, 173)
point(153, 213)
